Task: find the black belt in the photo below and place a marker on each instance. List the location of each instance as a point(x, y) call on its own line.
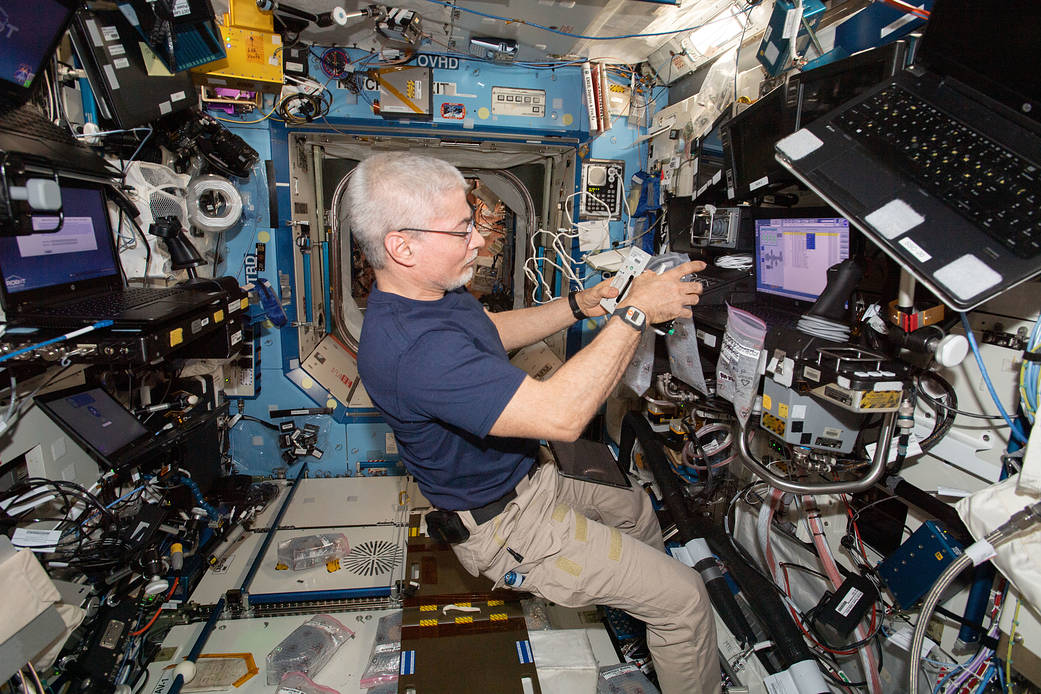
point(485, 513)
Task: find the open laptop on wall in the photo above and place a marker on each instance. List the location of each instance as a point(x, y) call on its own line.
point(31, 32)
point(72, 277)
point(939, 165)
point(792, 258)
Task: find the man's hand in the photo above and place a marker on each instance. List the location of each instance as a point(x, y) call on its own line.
point(666, 296)
point(589, 299)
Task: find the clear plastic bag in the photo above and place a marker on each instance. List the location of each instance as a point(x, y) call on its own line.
point(737, 370)
point(308, 648)
point(385, 654)
point(299, 683)
point(624, 679)
point(312, 550)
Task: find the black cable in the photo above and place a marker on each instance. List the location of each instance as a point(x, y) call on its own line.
point(264, 422)
point(937, 404)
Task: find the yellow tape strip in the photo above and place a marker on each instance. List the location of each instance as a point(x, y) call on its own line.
point(427, 608)
point(404, 99)
point(614, 551)
point(568, 566)
point(581, 528)
point(428, 622)
point(498, 617)
point(496, 603)
point(464, 620)
point(560, 512)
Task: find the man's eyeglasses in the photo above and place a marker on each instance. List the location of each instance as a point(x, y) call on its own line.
point(472, 202)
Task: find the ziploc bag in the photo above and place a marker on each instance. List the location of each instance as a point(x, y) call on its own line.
point(308, 648)
point(737, 370)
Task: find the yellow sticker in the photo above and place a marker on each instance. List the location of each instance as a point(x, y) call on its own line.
point(176, 336)
point(428, 622)
point(464, 620)
point(614, 551)
point(568, 566)
point(264, 237)
point(244, 303)
point(939, 556)
point(496, 603)
point(427, 608)
point(768, 403)
point(560, 512)
point(567, 119)
point(218, 316)
point(331, 403)
point(306, 383)
point(581, 527)
point(782, 410)
point(498, 617)
point(483, 113)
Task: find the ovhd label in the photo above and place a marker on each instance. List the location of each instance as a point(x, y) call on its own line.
point(440, 62)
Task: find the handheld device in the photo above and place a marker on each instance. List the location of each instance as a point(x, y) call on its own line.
point(633, 265)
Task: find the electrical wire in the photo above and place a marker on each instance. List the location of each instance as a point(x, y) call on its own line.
point(1016, 432)
point(1011, 642)
point(146, 627)
point(458, 8)
point(1030, 374)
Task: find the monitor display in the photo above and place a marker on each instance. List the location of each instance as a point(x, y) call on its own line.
point(98, 419)
point(81, 250)
point(793, 255)
point(748, 145)
point(28, 31)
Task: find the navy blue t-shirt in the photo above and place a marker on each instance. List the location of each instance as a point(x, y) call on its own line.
point(439, 373)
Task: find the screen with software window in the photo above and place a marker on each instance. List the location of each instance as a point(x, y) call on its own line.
point(82, 250)
point(793, 255)
point(27, 32)
point(99, 419)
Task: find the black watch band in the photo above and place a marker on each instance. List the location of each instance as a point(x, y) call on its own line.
point(576, 310)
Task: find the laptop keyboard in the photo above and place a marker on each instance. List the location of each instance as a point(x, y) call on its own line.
point(978, 178)
point(27, 118)
point(110, 305)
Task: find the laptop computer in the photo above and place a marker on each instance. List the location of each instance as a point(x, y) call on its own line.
point(114, 438)
point(116, 61)
point(99, 423)
point(32, 31)
point(792, 257)
point(72, 277)
point(939, 165)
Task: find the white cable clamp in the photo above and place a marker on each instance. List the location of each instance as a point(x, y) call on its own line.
point(980, 551)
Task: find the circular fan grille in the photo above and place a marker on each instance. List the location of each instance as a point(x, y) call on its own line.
point(372, 558)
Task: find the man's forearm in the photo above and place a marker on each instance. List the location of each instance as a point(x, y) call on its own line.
point(560, 407)
point(524, 326)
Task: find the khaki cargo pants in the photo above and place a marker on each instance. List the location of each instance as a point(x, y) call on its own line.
point(590, 544)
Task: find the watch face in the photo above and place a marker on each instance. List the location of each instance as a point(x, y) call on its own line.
point(634, 316)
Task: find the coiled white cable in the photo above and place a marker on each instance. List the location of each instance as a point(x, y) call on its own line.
point(214, 204)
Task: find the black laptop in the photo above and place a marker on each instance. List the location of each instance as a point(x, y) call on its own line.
point(99, 423)
point(792, 257)
point(31, 32)
point(940, 165)
point(72, 277)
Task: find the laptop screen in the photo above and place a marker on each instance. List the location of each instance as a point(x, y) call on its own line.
point(990, 46)
point(748, 145)
point(96, 418)
point(29, 31)
point(82, 250)
point(793, 255)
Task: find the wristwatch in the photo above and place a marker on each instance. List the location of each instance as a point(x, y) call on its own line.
point(576, 310)
point(632, 316)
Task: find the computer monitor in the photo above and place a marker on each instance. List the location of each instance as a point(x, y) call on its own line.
point(96, 420)
point(30, 32)
point(793, 254)
point(748, 146)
